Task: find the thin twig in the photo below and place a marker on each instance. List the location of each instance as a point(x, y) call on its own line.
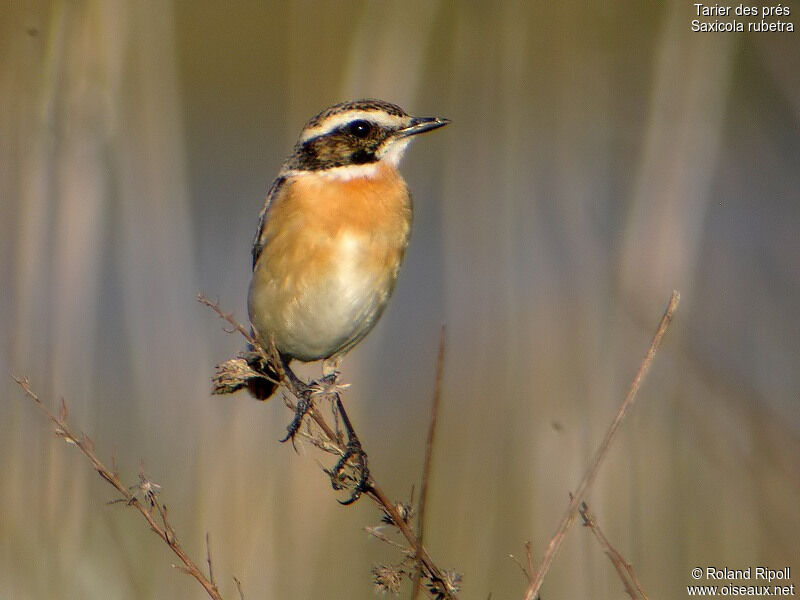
point(372, 490)
point(426, 469)
point(239, 588)
point(147, 487)
point(591, 473)
point(208, 559)
point(378, 496)
point(379, 535)
point(623, 567)
point(527, 569)
point(227, 317)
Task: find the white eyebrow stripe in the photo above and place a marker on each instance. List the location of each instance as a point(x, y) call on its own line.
point(336, 121)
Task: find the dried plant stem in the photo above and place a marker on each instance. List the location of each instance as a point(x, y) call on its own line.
point(422, 554)
point(379, 535)
point(527, 568)
point(602, 451)
point(239, 588)
point(148, 488)
point(208, 560)
point(623, 567)
point(298, 389)
point(426, 469)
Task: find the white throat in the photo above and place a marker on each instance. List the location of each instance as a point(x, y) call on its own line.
point(394, 152)
point(348, 172)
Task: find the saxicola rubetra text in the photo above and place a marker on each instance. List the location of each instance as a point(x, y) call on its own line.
point(332, 233)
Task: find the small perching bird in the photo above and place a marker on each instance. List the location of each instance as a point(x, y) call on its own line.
point(332, 233)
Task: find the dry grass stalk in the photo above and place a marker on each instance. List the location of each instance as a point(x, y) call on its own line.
point(426, 469)
point(624, 569)
point(417, 563)
point(149, 507)
point(527, 568)
point(602, 451)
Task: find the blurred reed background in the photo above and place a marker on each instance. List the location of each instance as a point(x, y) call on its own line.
point(600, 155)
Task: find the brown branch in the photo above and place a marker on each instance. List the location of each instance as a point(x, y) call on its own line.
point(623, 567)
point(602, 451)
point(148, 489)
point(297, 388)
point(426, 469)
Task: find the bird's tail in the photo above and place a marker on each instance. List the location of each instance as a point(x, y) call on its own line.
point(263, 386)
point(249, 370)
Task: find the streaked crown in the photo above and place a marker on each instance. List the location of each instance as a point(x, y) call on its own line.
point(357, 133)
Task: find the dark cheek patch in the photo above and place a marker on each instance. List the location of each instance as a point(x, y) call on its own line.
point(333, 150)
point(362, 156)
point(307, 154)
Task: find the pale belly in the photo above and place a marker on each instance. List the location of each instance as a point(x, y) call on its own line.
point(318, 298)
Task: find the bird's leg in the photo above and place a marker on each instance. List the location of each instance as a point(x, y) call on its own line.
point(296, 382)
point(328, 385)
point(330, 369)
point(354, 451)
point(303, 401)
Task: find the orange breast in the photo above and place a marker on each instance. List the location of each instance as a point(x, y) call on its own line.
point(379, 205)
point(333, 247)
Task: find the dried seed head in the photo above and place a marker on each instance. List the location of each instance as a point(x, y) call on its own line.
point(387, 579)
point(448, 586)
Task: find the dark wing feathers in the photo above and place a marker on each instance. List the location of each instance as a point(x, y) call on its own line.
point(258, 242)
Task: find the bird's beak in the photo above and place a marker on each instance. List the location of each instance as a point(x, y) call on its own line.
point(421, 125)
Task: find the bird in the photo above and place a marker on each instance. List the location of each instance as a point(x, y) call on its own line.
point(332, 234)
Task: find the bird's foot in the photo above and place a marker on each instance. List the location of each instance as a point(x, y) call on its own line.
point(301, 409)
point(355, 457)
point(305, 402)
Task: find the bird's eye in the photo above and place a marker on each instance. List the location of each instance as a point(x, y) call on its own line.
point(359, 129)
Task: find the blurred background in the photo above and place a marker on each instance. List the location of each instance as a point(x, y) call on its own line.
point(600, 155)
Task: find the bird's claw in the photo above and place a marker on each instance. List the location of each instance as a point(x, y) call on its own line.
point(300, 411)
point(355, 452)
